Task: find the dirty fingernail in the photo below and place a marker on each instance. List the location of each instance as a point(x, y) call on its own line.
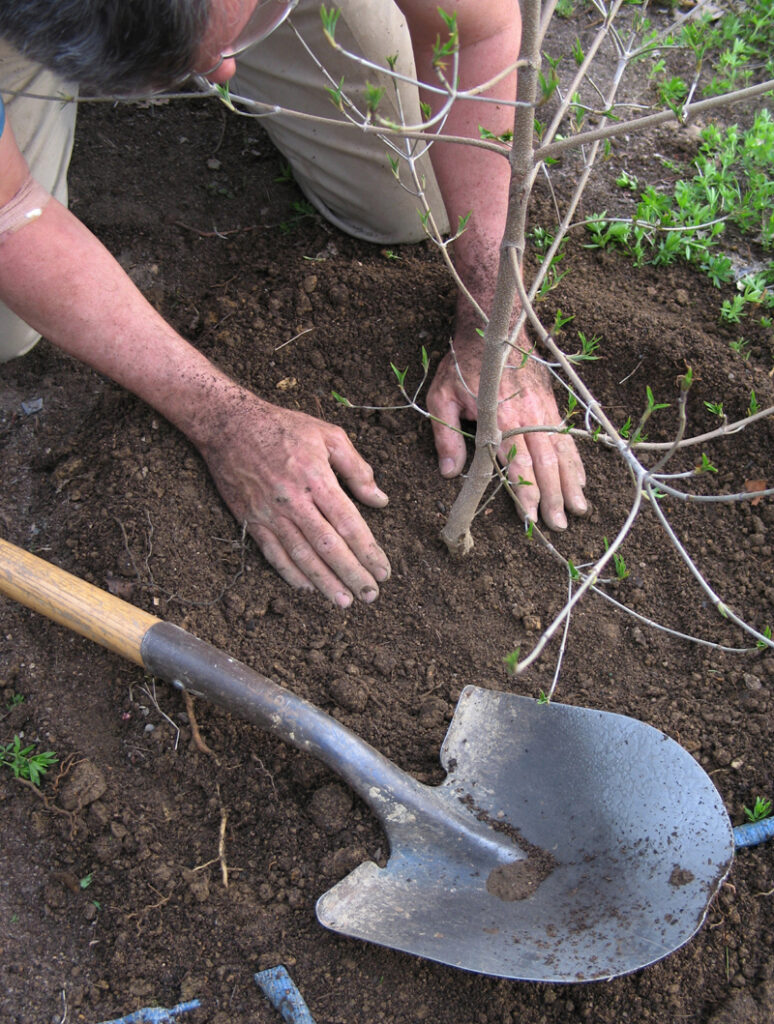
point(382, 573)
point(343, 599)
point(369, 594)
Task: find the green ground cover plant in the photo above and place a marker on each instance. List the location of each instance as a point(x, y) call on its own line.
point(23, 763)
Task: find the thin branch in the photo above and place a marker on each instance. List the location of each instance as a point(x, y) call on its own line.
point(553, 149)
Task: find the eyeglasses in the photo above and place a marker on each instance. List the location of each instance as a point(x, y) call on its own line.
point(267, 16)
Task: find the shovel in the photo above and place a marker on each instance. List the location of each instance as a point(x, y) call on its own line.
point(565, 844)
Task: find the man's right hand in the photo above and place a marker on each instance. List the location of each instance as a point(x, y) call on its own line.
point(278, 471)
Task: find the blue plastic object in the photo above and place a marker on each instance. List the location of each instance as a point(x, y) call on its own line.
point(754, 832)
point(279, 988)
point(155, 1014)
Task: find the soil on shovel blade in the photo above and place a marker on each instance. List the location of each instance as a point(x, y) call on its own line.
point(147, 871)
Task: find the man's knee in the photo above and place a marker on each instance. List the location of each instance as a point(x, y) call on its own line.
point(346, 173)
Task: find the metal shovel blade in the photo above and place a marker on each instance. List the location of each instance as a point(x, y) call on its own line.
point(612, 842)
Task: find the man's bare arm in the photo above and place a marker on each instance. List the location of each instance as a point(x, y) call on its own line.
point(276, 469)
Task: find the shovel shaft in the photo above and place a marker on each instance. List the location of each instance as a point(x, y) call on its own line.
point(205, 671)
point(186, 661)
point(73, 602)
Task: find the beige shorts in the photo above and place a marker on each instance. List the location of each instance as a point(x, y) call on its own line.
point(345, 173)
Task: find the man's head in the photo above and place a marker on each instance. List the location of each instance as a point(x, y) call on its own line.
point(134, 46)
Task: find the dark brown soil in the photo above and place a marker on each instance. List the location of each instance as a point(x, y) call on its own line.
point(187, 197)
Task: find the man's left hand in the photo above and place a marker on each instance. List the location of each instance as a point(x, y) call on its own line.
point(546, 471)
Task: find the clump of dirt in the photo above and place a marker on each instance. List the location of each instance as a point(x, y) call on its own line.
point(520, 879)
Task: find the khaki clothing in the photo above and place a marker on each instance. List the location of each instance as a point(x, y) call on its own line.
point(344, 173)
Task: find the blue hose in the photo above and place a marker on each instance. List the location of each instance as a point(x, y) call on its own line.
point(155, 1014)
point(754, 832)
point(279, 989)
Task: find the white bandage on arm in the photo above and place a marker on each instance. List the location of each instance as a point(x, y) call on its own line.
point(27, 205)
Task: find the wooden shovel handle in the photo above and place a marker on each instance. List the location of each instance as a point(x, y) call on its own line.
point(73, 603)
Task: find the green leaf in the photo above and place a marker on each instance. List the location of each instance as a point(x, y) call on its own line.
point(373, 96)
point(653, 405)
point(336, 94)
point(400, 374)
point(329, 19)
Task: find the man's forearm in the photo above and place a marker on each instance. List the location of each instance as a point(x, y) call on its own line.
point(471, 180)
point(59, 278)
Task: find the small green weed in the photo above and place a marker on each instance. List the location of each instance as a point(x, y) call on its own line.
point(285, 175)
point(732, 310)
point(761, 809)
point(301, 209)
point(23, 763)
point(618, 561)
point(741, 346)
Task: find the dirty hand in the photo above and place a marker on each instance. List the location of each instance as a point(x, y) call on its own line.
point(549, 462)
point(277, 471)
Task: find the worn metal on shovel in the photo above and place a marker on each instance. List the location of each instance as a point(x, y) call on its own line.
point(565, 844)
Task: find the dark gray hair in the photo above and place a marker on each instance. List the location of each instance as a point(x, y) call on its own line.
point(108, 46)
